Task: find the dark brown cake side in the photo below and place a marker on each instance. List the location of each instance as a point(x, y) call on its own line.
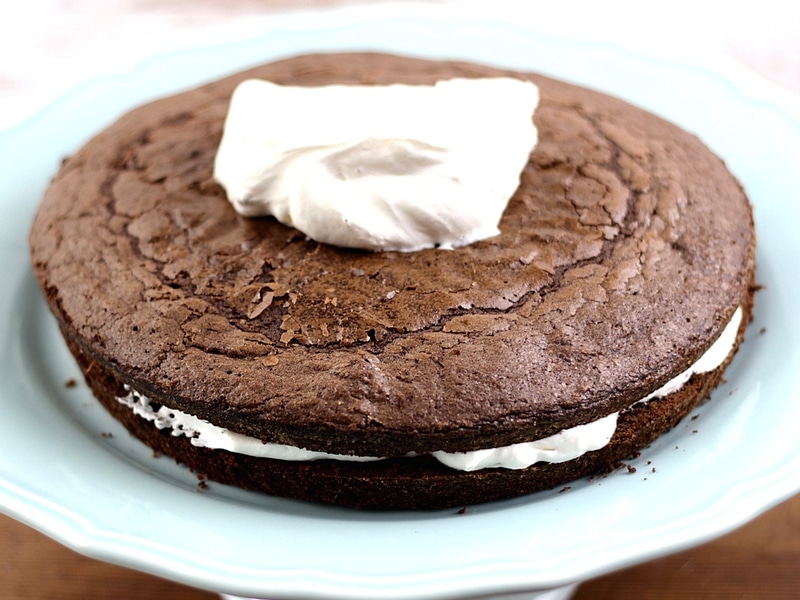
point(403, 483)
point(622, 256)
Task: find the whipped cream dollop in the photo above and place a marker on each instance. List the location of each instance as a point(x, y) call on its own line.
point(560, 447)
point(392, 167)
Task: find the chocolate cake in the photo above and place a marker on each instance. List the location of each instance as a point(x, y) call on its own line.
point(624, 255)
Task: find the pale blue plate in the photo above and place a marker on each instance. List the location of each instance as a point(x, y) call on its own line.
point(69, 470)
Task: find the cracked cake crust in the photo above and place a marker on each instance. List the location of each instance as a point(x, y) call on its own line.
point(622, 256)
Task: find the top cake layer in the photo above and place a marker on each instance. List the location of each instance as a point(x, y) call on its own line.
point(621, 257)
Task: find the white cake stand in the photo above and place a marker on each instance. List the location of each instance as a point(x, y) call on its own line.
point(562, 593)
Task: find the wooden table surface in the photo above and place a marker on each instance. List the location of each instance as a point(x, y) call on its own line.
point(759, 560)
point(56, 45)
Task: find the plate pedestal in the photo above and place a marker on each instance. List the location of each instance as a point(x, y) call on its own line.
point(562, 593)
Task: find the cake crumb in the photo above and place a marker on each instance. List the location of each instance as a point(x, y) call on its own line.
point(462, 510)
point(631, 469)
point(262, 302)
point(566, 488)
point(70, 383)
point(270, 360)
point(106, 434)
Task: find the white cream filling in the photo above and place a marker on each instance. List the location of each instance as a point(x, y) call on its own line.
point(379, 167)
point(563, 446)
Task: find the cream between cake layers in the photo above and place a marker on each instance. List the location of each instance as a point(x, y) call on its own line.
point(622, 256)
